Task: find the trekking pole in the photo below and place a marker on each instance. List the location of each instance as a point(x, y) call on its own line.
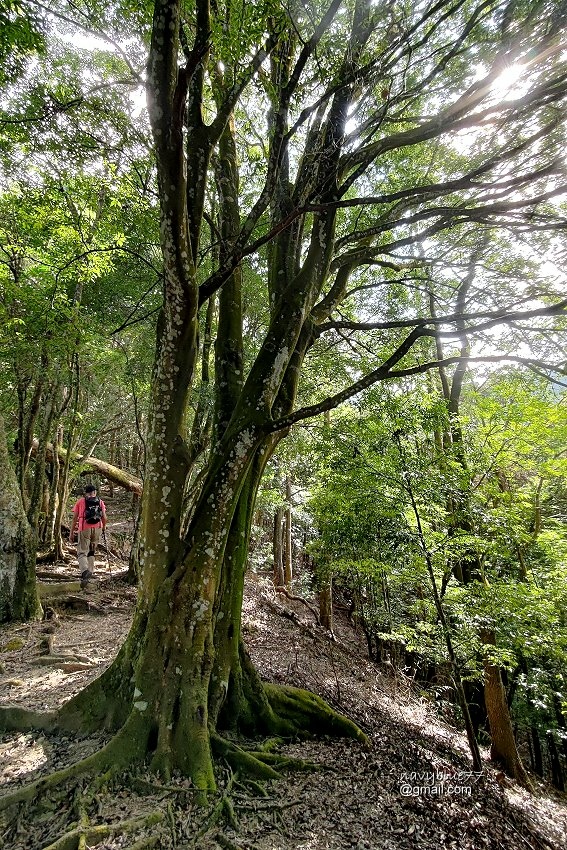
point(108, 567)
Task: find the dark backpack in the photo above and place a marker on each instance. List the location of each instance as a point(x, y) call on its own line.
point(93, 510)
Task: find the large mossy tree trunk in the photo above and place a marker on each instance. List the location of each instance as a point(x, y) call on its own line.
point(183, 673)
point(18, 592)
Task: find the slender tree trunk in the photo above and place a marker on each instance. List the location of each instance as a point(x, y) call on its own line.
point(58, 451)
point(288, 551)
point(119, 452)
point(54, 490)
point(18, 593)
point(133, 574)
point(277, 547)
point(557, 776)
point(473, 744)
point(326, 604)
point(136, 455)
point(27, 416)
point(537, 508)
point(503, 748)
point(536, 749)
point(469, 566)
point(37, 497)
point(112, 460)
point(135, 470)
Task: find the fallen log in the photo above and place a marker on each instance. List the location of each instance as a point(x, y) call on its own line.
point(54, 589)
point(112, 473)
point(69, 663)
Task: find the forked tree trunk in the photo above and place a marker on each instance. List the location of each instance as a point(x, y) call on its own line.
point(183, 671)
point(18, 593)
point(235, 696)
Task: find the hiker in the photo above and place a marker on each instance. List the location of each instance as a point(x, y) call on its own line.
point(89, 518)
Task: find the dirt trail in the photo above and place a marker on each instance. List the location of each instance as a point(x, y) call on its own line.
point(413, 788)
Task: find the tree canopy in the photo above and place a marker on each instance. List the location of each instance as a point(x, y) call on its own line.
point(328, 197)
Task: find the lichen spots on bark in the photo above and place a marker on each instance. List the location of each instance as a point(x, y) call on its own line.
point(18, 593)
point(183, 673)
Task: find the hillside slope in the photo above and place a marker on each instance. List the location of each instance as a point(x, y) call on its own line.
point(412, 788)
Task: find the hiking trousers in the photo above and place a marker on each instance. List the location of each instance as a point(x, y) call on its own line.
point(86, 546)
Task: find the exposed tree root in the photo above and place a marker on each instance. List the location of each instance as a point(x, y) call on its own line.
point(76, 603)
point(78, 662)
point(13, 718)
point(227, 844)
point(71, 840)
point(242, 760)
point(50, 557)
point(56, 590)
point(106, 703)
point(247, 783)
point(271, 744)
point(123, 750)
point(287, 762)
point(144, 843)
point(144, 786)
point(311, 714)
point(303, 601)
point(223, 809)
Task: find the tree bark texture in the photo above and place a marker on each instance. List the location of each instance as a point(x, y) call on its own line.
point(183, 673)
point(503, 749)
point(183, 660)
point(18, 592)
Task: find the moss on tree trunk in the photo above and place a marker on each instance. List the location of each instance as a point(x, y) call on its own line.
point(18, 592)
point(183, 674)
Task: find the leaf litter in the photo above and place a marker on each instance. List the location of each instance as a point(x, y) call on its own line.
point(411, 788)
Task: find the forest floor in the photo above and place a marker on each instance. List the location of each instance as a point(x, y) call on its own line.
point(412, 788)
